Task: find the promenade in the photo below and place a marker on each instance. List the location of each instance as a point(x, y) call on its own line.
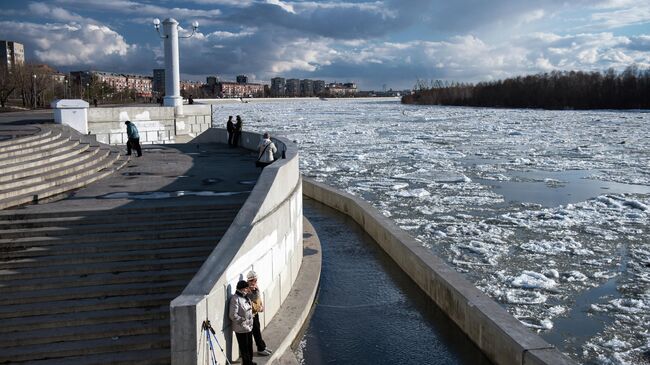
point(89, 278)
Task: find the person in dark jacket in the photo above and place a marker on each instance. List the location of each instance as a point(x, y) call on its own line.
point(133, 138)
point(230, 127)
point(238, 129)
point(241, 316)
point(258, 306)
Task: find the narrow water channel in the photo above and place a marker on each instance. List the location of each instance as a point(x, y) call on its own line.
point(368, 311)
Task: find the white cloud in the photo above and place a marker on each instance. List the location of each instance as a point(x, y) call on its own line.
point(56, 13)
point(285, 6)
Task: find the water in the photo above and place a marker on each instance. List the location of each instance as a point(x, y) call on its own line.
point(537, 208)
point(368, 311)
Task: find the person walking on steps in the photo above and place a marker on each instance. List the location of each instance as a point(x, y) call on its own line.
point(230, 127)
point(256, 301)
point(241, 315)
point(133, 139)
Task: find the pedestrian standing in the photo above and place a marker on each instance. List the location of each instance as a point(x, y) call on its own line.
point(241, 317)
point(256, 302)
point(133, 139)
point(265, 151)
point(238, 130)
point(230, 127)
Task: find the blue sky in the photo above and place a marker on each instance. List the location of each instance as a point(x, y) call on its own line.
point(373, 43)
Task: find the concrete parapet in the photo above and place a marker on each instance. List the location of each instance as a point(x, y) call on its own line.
point(265, 236)
point(502, 338)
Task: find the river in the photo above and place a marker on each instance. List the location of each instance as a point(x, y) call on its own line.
point(545, 211)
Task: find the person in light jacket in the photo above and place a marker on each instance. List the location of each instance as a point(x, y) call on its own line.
point(265, 151)
point(256, 301)
point(241, 317)
point(133, 138)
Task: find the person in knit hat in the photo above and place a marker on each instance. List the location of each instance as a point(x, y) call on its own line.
point(256, 300)
point(241, 316)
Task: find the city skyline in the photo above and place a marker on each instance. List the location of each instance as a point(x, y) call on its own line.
point(372, 43)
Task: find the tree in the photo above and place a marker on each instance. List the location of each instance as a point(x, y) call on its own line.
point(7, 84)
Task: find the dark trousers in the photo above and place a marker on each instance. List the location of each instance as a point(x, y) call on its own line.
point(135, 144)
point(231, 137)
point(245, 341)
point(235, 138)
point(257, 333)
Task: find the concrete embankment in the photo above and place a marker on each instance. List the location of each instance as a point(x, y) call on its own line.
point(502, 338)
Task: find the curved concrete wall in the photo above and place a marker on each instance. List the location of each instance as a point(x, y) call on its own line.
point(266, 236)
point(497, 333)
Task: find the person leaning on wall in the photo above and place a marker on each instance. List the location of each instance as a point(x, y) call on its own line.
point(241, 316)
point(258, 306)
point(239, 126)
point(230, 127)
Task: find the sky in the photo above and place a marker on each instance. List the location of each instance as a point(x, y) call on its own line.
point(377, 44)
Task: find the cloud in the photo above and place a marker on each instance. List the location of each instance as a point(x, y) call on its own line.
point(76, 45)
point(56, 13)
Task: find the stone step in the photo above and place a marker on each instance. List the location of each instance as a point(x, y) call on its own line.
point(38, 151)
point(26, 242)
point(132, 227)
point(114, 267)
point(118, 216)
point(102, 247)
point(81, 162)
point(96, 291)
point(18, 167)
point(22, 135)
point(114, 164)
point(85, 347)
point(58, 282)
point(92, 318)
point(141, 357)
point(28, 337)
point(154, 209)
point(32, 145)
point(84, 305)
point(68, 178)
point(89, 259)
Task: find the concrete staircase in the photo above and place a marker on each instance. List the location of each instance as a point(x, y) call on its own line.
point(94, 287)
point(38, 162)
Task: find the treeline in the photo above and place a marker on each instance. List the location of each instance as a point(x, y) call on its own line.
point(629, 89)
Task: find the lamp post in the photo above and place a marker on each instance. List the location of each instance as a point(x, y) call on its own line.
point(88, 91)
point(172, 73)
point(65, 89)
point(34, 91)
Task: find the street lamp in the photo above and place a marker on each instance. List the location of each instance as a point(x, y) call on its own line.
point(34, 91)
point(88, 89)
point(65, 89)
point(172, 73)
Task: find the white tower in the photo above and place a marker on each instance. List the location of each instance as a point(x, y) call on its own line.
point(172, 73)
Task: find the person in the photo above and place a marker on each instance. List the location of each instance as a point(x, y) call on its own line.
point(190, 100)
point(133, 139)
point(265, 151)
point(95, 102)
point(258, 306)
point(238, 130)
point(230, 127)
point(241, 315)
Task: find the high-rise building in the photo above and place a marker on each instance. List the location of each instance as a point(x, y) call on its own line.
point(11, 54)
point(158, 83)
point(293, 87)
point(319, 87)
point(242, 79)
point(306, 87)
point(277, 86)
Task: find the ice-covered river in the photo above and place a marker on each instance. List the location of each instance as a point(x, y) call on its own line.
point(545, 211)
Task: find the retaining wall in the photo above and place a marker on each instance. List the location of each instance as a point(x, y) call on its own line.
point(156, 124)
point(498, 334)
point(265, 236)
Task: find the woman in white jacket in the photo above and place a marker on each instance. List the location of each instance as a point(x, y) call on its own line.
point(241, 317)
point(265, 151)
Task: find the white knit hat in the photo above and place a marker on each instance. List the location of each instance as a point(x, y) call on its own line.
point(251, 275)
